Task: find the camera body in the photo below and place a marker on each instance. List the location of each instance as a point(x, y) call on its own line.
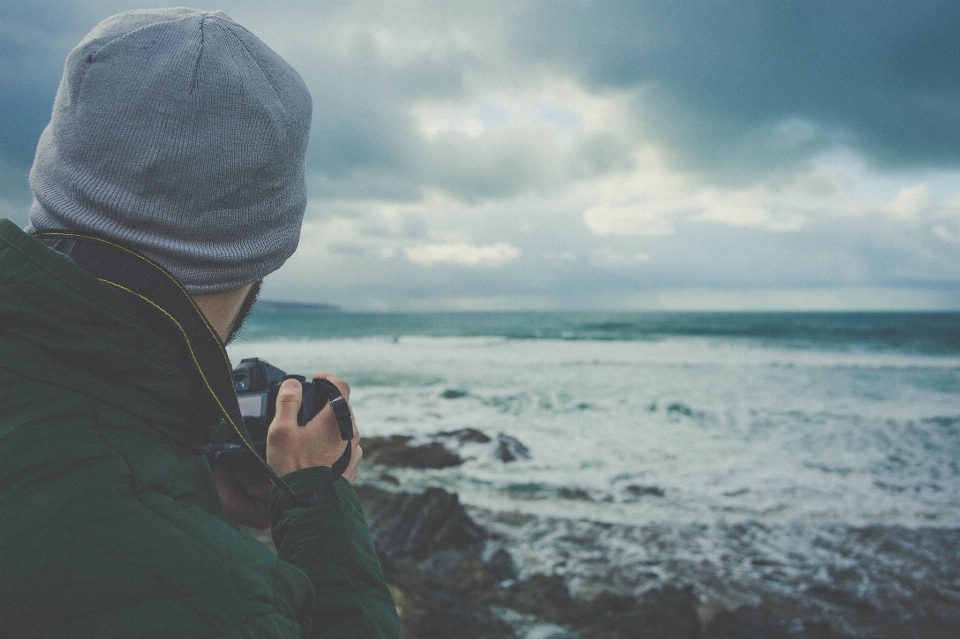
point(257, 384)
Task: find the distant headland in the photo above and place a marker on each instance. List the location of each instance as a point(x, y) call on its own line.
point(272, 306)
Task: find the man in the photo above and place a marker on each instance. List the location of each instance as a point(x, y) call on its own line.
point(168, 183)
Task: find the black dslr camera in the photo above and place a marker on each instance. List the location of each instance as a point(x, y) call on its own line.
point(257, 384)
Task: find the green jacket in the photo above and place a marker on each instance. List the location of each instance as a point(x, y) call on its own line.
point(110, 524)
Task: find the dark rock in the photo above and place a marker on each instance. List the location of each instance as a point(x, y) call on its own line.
point(466, 435)
point(839, 597)
point(509, 449)
point(578, 494)
point(665, 613)
point(745, 622)
point(638, 490)
point(816, 630)
point(386, 478)
point(501, 566)
point(931, 628)
point(736, 493)
point(544, 596)
point(409, 525)
point(396, 451)
point(371, 445)
point(607, 603)
point(452, 393)
point(430, 552)
point(461, 573)
point(435, 613)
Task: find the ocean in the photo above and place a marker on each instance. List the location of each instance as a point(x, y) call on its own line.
point(810, 461)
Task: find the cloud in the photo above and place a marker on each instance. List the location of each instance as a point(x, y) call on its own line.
point(946, 233)
point(616, 154)
point(629, 218)
point(611, 259)
point(910, 202)
point(723, 82)
point(34, 40)
point(419, 97)
point(748, 208)
point(729, 90)
point(462, 254)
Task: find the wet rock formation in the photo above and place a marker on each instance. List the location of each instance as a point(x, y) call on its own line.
point(447, 584)
point(452, 579)
point(400, 451)
point(397, 452)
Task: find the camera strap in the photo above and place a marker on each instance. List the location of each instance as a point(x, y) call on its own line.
point(341, 411)
point(129, 271)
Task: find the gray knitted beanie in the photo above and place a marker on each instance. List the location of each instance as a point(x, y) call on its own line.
point(181, 135)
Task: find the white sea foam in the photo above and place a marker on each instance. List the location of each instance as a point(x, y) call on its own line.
point(725, 429)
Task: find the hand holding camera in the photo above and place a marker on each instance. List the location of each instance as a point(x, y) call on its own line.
point(305, 422)
point(293, 423)
point(291, 447)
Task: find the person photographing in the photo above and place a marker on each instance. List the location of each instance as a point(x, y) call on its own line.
point(168, 184)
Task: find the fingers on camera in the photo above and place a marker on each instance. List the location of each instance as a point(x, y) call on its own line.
point(341, 385)
point(288, 398)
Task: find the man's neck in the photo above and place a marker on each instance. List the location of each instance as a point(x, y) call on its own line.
point(221, 309)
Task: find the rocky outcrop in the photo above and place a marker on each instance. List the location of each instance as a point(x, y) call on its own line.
point(447, 586)
point(451, 578)
point(743, 622)
point(397, 452)
point(442, 450)
point(510, 449)
point(431, 553)
point(416, 526)
point(660, 613)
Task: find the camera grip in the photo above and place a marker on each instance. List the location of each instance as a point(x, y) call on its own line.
point(312, 400)
point(315, 395)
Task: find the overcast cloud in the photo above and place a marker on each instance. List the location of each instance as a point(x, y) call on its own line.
point(565, 154)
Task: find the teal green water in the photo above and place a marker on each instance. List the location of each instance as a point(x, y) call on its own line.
point(929, 333)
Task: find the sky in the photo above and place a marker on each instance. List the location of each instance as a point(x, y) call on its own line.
point(564, 154)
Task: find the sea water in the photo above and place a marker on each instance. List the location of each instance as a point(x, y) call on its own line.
point(810, 458)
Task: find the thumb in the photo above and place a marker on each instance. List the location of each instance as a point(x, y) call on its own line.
point(288, 401)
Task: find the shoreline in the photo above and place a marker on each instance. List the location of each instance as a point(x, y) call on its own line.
point(449, 571)
point(503, 573)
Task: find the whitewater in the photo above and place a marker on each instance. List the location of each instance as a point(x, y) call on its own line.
point(812, 467)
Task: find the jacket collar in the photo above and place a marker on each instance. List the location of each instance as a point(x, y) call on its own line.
point(75, 331)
